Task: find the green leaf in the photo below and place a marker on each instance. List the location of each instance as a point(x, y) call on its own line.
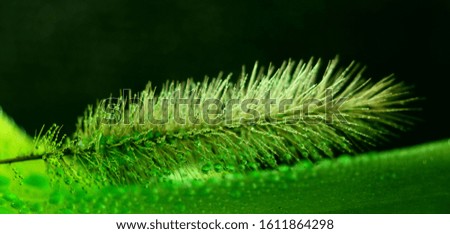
point(409, 180)
point(13, 140)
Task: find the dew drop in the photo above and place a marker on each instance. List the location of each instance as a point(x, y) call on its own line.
point(235, 193)
point(230, 168)
point(344, 159)
point(253, 166)
point(37, 208)
point(218, 167)
point(305, 165)
point(288, 157)
point(325, 163)
point(284, 168)
point(17, 204)
point(37, 180)
point(207, 168)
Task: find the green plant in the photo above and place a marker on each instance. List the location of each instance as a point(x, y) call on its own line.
point(119, 148)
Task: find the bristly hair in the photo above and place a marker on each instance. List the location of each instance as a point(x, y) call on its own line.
point(200, 129)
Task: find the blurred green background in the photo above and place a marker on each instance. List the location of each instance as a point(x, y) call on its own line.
point(56, 57)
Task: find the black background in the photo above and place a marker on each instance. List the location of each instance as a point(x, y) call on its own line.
point(56, 57)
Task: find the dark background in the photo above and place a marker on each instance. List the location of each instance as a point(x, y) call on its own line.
point(56, 57)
